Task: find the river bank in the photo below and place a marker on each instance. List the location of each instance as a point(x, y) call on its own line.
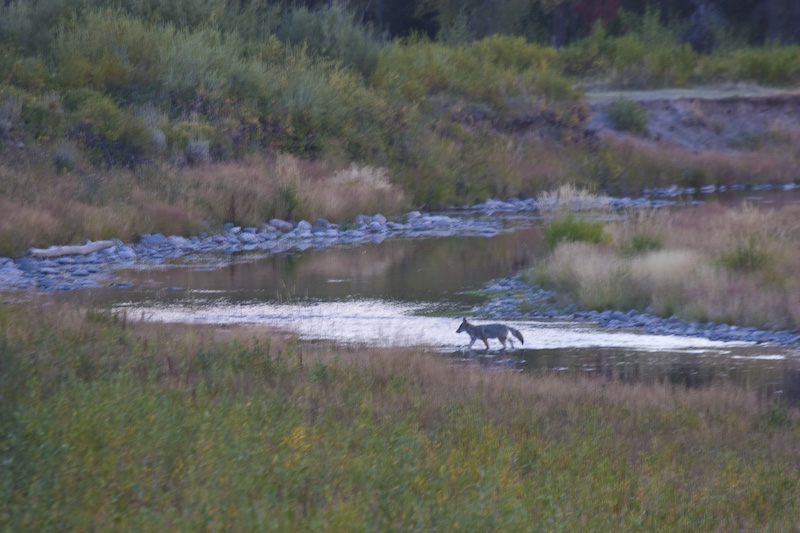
point(51, 270)
point(60, 269)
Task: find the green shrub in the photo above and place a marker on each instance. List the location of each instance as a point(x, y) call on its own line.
point(768, 64)
point(642, 244)
point(334, 33)
point(111, 135)
point(568, 228)
point(66, 156)
point(745, 257)
point(198, 152)
point(42, 118)
point(627, 115)
point(181, 134)
point(492, 70)
point(30, 74)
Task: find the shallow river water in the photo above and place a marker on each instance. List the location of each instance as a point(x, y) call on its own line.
point(410, 293)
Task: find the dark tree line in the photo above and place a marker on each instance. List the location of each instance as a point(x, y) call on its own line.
point(562, 21)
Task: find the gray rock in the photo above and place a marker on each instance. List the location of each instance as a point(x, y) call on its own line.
point(304, 225)
point(247, 238)
point(153, 240)
point(126, 253)
point(178, 242)
point(27, 264)
point(281, 225)
point(380, 219)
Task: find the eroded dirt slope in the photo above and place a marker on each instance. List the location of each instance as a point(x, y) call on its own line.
point(707, 119)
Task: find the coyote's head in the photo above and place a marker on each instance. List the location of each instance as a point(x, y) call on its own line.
point(464, 325)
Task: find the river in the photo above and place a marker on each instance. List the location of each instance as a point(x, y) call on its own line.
point(410, 292)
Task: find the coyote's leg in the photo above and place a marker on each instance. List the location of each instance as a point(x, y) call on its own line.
point(486, 342)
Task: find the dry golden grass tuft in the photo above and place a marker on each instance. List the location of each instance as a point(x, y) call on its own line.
point(569, 196)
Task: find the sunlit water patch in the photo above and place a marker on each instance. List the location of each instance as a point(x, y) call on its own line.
point(387, 323)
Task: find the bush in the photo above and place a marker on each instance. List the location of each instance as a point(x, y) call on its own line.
point(642, 244)
point(111, 135)
point(627, 115)
point(568, 228)
point(197, 152)
point(66, 156)
point(745, 257)
point(334, 33)
point(493, 70)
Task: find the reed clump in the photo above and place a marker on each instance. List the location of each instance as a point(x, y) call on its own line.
point(113, 423)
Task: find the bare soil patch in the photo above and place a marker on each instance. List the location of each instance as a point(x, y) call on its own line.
point(726, 120)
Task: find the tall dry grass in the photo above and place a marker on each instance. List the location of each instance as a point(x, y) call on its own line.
point(42, 207)
point(724, 264)
point(628, 165)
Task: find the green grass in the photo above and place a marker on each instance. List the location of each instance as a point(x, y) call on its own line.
point(110, 424)
point(566, 227)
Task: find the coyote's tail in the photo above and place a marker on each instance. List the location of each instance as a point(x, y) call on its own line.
point(517, 334)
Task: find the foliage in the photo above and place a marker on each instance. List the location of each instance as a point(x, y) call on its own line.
point(627, 115)
point(746, 257)
point(569, 228)
point(642, 243)
point(333, 33)
point(146, 84)
point(494, 69)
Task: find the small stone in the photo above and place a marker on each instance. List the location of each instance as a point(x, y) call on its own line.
point(281, 225)
point(153, 240)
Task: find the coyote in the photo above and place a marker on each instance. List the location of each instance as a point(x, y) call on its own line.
point(489, 331)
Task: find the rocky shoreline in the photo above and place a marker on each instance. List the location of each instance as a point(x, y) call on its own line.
point(49, 269)
point(513, 298)
point(651, 198)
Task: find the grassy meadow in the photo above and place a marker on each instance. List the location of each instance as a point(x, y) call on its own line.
point(109, 423)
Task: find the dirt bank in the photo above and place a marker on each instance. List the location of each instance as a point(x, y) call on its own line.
point(726, 120)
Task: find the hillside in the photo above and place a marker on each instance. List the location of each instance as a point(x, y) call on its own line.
point(117, 121)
